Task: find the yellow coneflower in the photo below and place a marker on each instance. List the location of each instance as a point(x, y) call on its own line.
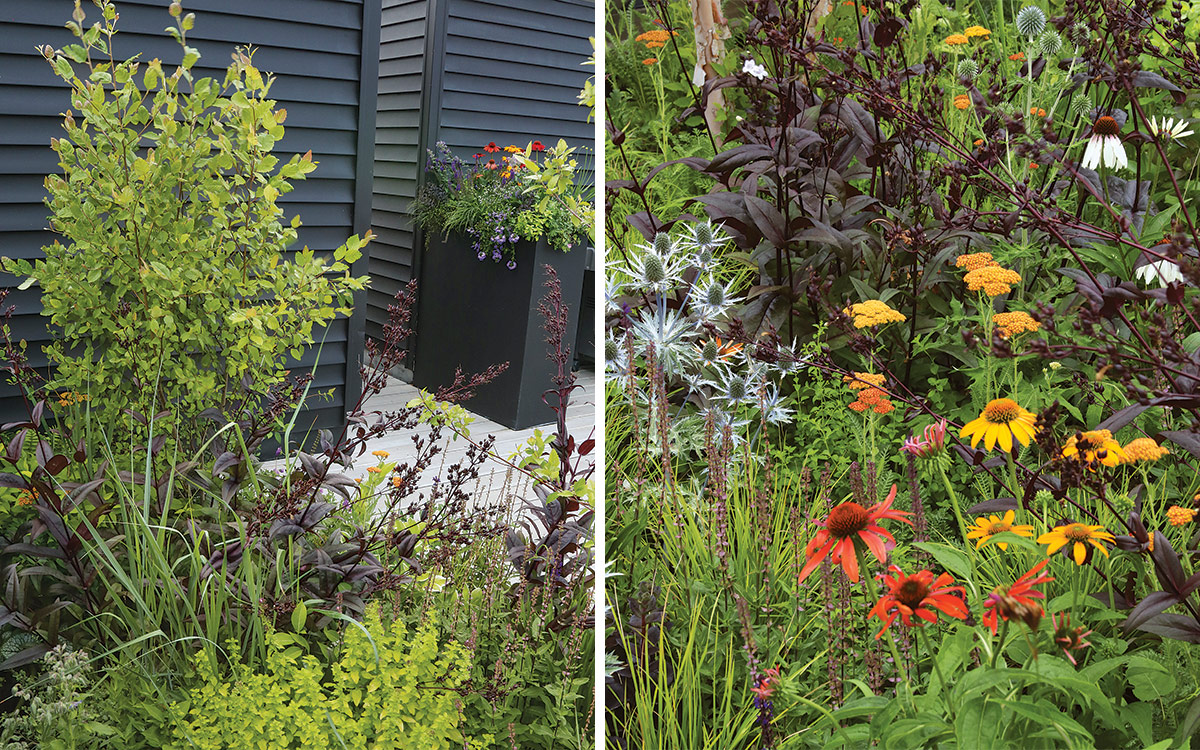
point(1144, 449)
point(1094, 446)
point(985, 528)
point(1015, 323)
point(1001, 420)
point(1080, 535)
point(992, 280)
point(873, 313)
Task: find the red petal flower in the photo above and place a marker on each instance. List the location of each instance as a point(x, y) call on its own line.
point(847, 522)
point(1017, 600)
point(537, 146)
point(914, 595)
point(491, 148)
point(491, 164)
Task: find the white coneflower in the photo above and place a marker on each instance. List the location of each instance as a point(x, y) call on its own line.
point(1168, 129)
point(1163, 271)
point(753, 68)
point(1105, 147)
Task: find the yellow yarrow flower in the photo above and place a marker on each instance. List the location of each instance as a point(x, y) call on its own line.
point(962, 101)
point(1144, 449)
point(380, 454)
point(956, 39)
point(861, 380)
point(1015, 323)
point(873, 313)
point(975, 31)
point(992, 280)
point(1179, 516)
point(975, 261)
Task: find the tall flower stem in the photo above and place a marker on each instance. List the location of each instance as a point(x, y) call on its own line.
point(941, 467)
point(1000, 645)
point(873, 593)
point(937, 668)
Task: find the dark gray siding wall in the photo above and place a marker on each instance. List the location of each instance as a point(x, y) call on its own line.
point(398, 154)
point(508, 72)
point(314, 47)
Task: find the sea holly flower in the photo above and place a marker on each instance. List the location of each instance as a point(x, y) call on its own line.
point(1092, 447)
point(1078, 536)
point(917, 595)
point(986, 527)
point(1069, 639)
point(1001, 421)
point(753, 68)
point(714, 351)
point(1105, 147)
point(845, 524)
point(1018, 601)
point(1030, 21)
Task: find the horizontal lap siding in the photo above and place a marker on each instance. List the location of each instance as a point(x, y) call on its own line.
point(313, 47)
point(510, 72)
point(397, 153)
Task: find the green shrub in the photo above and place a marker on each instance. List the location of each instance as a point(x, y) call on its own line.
point(171, 290)
point(388, 689)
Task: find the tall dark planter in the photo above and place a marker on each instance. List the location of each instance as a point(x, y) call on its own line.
point(473, 314)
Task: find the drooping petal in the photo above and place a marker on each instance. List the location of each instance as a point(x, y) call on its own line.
point(1080, 551)
point(850, 563)
point(1006, 438)
point(1091, 156)
point(815, 559)
point(874, 543)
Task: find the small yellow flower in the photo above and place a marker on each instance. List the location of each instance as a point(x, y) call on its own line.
point(1015, 323)
point(962, 101)
point(957, 39)
point(1094, 446)
point(1001, 420)
point(513, 149)
point(380, 454)
point(861, 380)
point(1078, 534)
point(26, 497)
point(992, 280)
point(873, 313)
point(649, 61)
point(1179, 516)
point(375, 469)
point(974, 261)
point(976, 31)
point(986, 528)
point(397, 482)
point(1144, 449)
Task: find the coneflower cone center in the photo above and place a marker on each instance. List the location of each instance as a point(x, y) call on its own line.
point(846, 520)
point(1106, 126)
point(1077, 532)
point(1000, 527)
point(911, 593)
point(1002, 411)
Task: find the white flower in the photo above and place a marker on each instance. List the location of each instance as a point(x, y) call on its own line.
point(754, 69)
point(1168, 128)
point(1105, 146)
point(1163, 271)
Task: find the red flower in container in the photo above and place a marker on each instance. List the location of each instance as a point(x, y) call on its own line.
point(537, 146)
point(478, 156)
point(491, 148)
point(847, 522)
point(491, 164)
point(907, 596)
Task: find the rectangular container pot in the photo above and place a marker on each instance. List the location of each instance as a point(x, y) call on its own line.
point(473, 314)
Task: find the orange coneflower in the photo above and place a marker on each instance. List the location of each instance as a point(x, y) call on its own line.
point(915, 595)
point(491, 164)
point(1017, 601)
point(846, 523)
point(491, 148)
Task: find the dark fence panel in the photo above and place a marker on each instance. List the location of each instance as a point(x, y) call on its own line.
point(316, 50)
